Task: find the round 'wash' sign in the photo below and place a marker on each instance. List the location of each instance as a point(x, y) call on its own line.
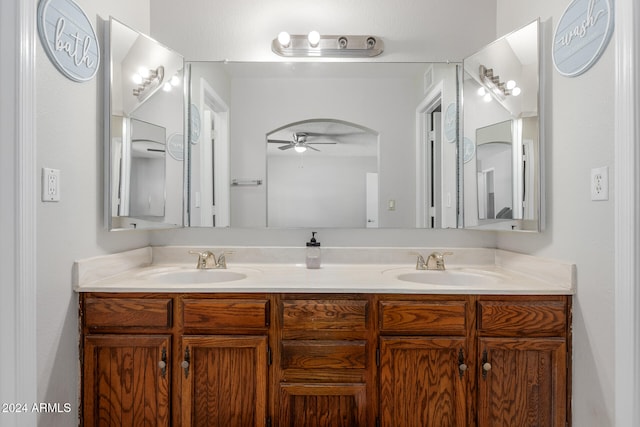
point(582, 35)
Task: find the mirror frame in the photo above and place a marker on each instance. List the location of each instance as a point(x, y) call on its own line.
point(516, 225)
point(145, 223)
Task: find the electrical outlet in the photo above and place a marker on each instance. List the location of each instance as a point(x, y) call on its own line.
point(50, 185)
point(600, 183)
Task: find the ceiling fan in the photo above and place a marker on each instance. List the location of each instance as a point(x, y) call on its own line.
point(300, 141)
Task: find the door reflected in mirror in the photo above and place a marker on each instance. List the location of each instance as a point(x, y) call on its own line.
point(501, 126)
point(406, 177)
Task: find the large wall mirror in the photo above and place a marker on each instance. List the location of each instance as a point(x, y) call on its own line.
point(323, 144)
point(502, 137)
point(144, 110)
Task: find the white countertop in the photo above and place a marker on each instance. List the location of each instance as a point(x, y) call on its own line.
point(473, 271)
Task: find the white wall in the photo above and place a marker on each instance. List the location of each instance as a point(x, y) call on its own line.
point(579, 136)
point(69, 138)
point(413, 30)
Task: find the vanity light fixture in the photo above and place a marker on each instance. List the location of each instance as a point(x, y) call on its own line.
point(316, 45)
point(146, 79)
point(494, 86)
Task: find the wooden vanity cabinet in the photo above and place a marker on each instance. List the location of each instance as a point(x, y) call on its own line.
point(224, 351)
point(524, 367)
point(325, 360)
point(126, 360)
point(425, 361)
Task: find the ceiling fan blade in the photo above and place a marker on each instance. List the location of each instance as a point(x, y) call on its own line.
point(311, 148)
point(320, 142)
point(286, 147)
point(278, 141)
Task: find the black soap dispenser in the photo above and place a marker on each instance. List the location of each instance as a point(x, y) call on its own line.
point(313, 252)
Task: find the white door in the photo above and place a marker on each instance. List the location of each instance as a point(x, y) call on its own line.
point(372, 200)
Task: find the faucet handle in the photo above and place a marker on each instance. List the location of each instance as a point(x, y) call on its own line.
point(222, 259)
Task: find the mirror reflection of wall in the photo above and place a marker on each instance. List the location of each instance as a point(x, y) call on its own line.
point(145, 101)
point(502, 187)
point(383, 97)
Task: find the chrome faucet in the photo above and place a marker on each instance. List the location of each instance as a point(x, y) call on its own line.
point(207, 260)
point(435, 261)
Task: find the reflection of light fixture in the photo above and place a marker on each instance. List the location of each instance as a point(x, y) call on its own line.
point(300, 147)
point(316, 45)
point(314, 38)
point(495, 87)
point(284, 39)
point(146, 79)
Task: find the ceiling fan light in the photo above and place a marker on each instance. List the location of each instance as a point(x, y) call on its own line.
point(300, 148)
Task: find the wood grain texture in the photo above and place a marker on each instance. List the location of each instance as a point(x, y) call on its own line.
point(227, 381)
point(424, 317)
point(323, 354)
point(127, 312)
point(322, 405)
point(536, 318)
point(526, 385)
point(123, 383)
point(331, 315)
point(420, 383)
point(225, 314)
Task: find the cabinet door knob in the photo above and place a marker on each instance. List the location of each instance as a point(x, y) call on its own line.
point(463, 367)
point(185, 364)
point(162, 364)
point(486, 366)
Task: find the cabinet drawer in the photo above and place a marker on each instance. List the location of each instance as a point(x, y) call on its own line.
point(531, 318)
point(311, 354)
point(324, 315)
point(221, 314)
point(127, 312)
point(424, 317)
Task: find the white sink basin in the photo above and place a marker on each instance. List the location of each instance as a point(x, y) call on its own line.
point(184, 276)
point(449, 277)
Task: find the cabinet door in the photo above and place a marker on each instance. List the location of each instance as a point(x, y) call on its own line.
point(322, 405)
point(522, 382)
point(423, 382)
point(126, 380)
point(224, 381)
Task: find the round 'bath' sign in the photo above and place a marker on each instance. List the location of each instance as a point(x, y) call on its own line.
point(69, 39)
point(582, 34)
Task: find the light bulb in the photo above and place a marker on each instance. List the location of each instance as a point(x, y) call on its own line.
point(166, 86)
point(314, 38)
point(137, 78)
point(175, 81)
point(481, 91)
point(144, 72)
point(516, 91)
point(300, 148)
point(511, 84)
point(487, 97)
point(284, 39)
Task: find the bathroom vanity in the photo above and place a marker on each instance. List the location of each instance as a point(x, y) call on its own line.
point(345, 345)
